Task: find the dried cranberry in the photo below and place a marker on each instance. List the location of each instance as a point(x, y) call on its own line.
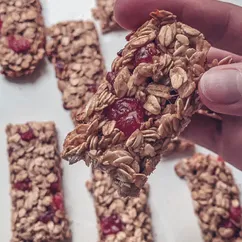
point(220, 159)
point(28, 135)
point(55, 187)
point(120, 53)
point(145, 54)
point(128, 114)
point(10, 151)
point(60, 66)
point(47, 216)
point(111, 225)
point(18, 45)
point(58, 202)
point(228, 224)
point(1, 24)
point(92, 88)
point(235, 214)
point(23, 185)
point(111, 77)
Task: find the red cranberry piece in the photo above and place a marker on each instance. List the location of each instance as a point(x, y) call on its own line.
point(23, 185)
point(47, 216)
point(120, 53)
point(28, 135)
point(55, 187)
point(111, 77)
point(220, 159)
point(60, 66)
point(228, 224)
point(111, 225)
point(1, 24)
point(92, 88)
point(145, 54)
point(128, 114)
point(58, 202)
point(10, 151)
point(235, 214)
point(20, 45)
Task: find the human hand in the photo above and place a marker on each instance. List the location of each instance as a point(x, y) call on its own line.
point(220, 88)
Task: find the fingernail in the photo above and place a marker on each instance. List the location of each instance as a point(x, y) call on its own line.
point(222, 86)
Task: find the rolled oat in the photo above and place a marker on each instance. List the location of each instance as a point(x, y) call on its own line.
point(38, 212)
point(215, 195)
point(120, 219)
point(179, 145)
point(145, 102)
point(22, 36)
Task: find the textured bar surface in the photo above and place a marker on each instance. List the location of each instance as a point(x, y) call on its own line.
point(38, 212)
point(120, 219)
point(215, 195)
point(74, 50)
point(104, 13)
point(22, 41)
point(144, 103)
point(179, 146)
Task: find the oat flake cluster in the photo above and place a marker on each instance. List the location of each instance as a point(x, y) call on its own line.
point(215, 195)
point(152, 90)
point(22, 36)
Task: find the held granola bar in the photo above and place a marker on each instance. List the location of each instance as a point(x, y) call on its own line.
point(22, 38)
point(215, 195)
point(74, 50)
point(120, 219)
point(147, 100)
point(38, 212)
point(104, 13)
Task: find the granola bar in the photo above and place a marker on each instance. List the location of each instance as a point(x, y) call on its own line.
point(215, 195)
point(120, 219)
point(145, 102)
point(38, 212)
point(74, 50)
point(104, 13)
point(22, 38)
point(179, 146)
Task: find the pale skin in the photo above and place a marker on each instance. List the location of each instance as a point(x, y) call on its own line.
point(220, 88)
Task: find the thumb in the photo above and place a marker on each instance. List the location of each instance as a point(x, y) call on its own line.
point(220, 89)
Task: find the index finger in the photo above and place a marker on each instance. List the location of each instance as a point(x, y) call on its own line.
point(220, 22)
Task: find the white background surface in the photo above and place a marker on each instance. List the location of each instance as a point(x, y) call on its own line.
point(40, 100)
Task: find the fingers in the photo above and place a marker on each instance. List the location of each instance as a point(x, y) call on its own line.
point(204, 131)
point(220, 89)
point(220, 22)
point(215, 53)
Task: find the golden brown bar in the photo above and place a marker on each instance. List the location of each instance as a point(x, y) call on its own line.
point(216, 197)
point(22, 41)
point(120, 219)
point(38, 212)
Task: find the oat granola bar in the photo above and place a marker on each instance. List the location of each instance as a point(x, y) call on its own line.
point(74, 50)
point(104, 13)
point(38, 213)
point(215, 195)
point(22, 37)
point(147, 100)
point(120, 219)
point(179, 145)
